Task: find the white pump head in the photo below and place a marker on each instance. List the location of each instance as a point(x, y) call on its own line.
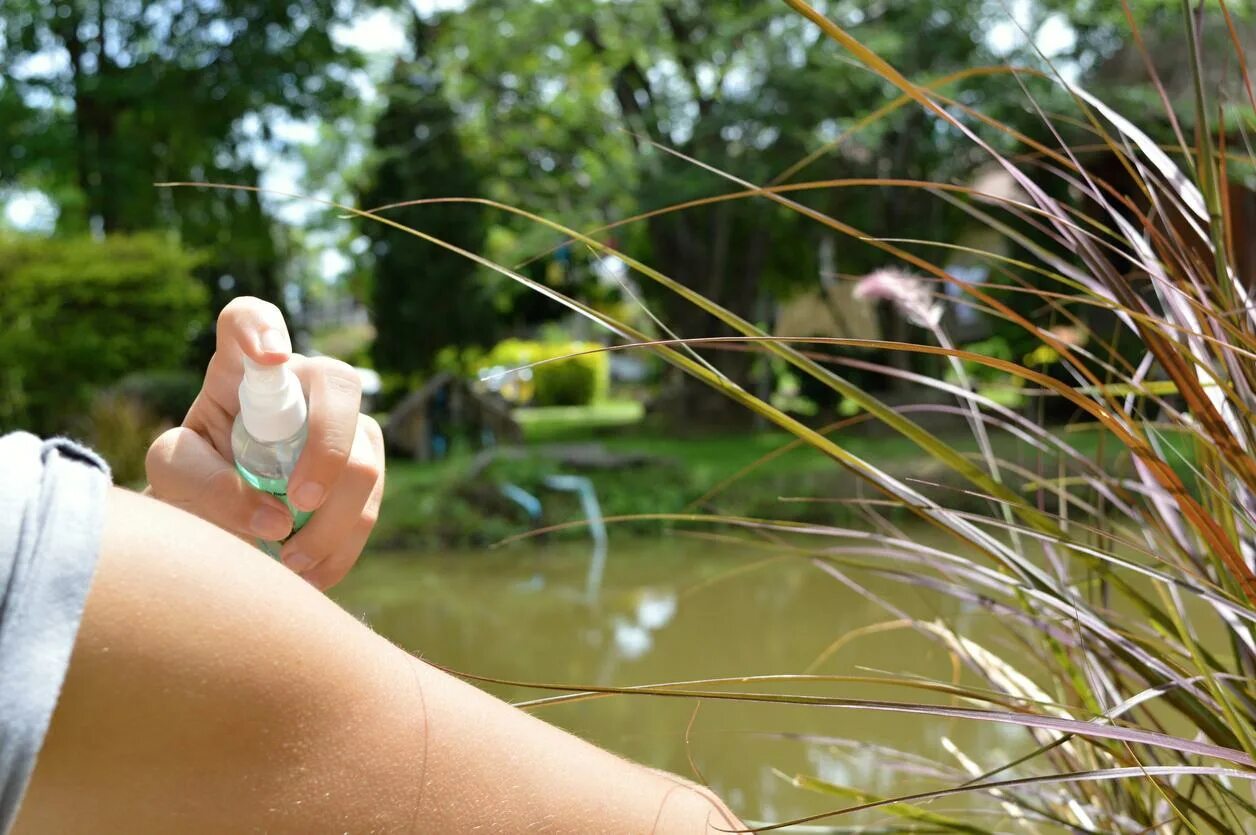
point(272, 405)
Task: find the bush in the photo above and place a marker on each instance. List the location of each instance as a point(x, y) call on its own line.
point(121, 428)
point(575, 381)
point(166, 395)
point(78, 314)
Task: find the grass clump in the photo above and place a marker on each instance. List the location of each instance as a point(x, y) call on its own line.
point(1125, 597)
point(1122, 641)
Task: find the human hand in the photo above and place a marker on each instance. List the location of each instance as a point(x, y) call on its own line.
point(340, 472)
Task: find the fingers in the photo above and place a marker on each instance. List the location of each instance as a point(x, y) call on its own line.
point(254, 327)
point(326, 548)
point(251, 327)
point(247, 326)
point(185, 470)
point(339, 472)
point(335, 397)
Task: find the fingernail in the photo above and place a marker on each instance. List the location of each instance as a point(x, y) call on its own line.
point(298, 561)
point(308, 496)
point(275, 341)
point(270, 523)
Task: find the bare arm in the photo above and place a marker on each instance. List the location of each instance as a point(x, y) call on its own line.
point(213, 691)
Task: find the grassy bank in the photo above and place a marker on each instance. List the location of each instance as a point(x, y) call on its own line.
point(458, 502)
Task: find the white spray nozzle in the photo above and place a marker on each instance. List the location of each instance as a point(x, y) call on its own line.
point(272, 405)
point(264, 378)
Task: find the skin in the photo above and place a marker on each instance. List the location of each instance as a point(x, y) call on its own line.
point(340, 473)
point(211, 690)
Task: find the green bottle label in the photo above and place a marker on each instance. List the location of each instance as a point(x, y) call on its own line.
point(277, 487)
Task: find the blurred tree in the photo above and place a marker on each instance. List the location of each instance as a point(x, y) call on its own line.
point(99, 100)
point(572, 102)
point(424, 297)
point(79, 313)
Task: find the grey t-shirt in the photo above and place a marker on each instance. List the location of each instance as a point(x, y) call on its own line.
point(52, 507)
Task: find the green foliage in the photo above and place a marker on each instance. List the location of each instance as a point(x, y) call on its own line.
point(122, 420)
point(547, 424)
point(351, 342)
point(166, 394)
point(100, 100)
point(999, 386)
point(455, 503)
point(746, 88)
point(425, 298)
point(79, 314)
point(567, 381)
point(121, 428)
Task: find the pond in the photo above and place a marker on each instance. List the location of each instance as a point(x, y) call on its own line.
point(675, 609)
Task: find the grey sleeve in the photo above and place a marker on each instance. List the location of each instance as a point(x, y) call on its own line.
point(52, 505)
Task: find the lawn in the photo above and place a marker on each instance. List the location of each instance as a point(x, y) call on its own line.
point(552, 423)
point(458, 501)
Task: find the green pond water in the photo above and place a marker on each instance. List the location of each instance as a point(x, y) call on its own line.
point(677, 609)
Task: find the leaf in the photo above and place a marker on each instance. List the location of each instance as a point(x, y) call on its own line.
point(902, 810)
point(1096, 775)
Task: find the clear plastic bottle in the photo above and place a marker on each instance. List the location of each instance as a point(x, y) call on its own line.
point(269, 433)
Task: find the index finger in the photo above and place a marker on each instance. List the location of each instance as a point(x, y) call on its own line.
point(251, 327)
point(335, 395)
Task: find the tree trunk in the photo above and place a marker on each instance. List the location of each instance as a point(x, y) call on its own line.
point(712, 254)
point(93, 123)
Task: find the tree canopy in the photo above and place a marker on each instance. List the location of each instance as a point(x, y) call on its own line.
point(98, 101)
point(425, 297)
point(615, 109)
point(583, 111)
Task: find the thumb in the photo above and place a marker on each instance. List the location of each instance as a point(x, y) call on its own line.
point(186, 471)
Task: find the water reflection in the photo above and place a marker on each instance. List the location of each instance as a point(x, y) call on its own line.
point(654, 609)
point(677, 610)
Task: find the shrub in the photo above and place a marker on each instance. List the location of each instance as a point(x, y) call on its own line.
point(166, 395)
point(78, 314)
point(574, 381)
point(120, 427)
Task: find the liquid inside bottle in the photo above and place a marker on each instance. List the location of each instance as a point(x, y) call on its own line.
point(267, 466)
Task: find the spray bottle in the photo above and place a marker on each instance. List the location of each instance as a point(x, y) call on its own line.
point(270, 432)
